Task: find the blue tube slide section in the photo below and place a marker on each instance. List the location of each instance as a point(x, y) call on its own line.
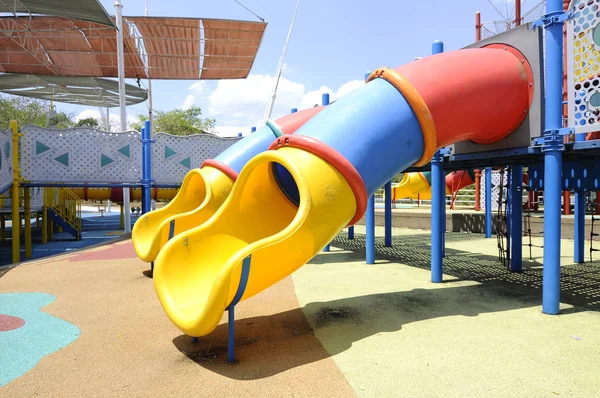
point(237, 155)
point(349, 126)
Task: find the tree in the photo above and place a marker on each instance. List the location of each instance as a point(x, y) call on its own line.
point(178, 122)
point(30, 111)
point(87, 122)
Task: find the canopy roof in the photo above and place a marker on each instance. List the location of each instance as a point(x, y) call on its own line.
point(90, 91)
point(154, 47)
point(87, 10)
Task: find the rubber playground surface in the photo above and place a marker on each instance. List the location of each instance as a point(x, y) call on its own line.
point(88, 323)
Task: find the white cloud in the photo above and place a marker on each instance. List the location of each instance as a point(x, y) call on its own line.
point(238, 104)
point(189, 102)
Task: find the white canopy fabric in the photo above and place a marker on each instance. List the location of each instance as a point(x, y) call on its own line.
point(89, 91)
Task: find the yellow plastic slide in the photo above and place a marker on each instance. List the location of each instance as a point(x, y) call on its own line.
point(202, 192)
point(197, 273)
point(412, 184)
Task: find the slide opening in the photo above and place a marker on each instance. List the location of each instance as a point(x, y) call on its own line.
point(286, 183)
point(256, 209)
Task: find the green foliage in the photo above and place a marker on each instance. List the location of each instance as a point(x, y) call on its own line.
point(178, 122)
point(30, 111)
point(87, 122)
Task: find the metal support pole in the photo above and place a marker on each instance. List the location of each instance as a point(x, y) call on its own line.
point(388, 214)
point(370, 232)
point(509, 202)
point(438, 190)
point(231, 334)
point(325, 102)
point(122, 100)
point(27, 219)
point(488, 202)
point(516, 186)
point(438, 202)
point(146, 167)
point(2, 228)
point(553, 147)
point(44, 225)
point(16, 216)
point(477, 26)
point(477, 206)
point(579, 227)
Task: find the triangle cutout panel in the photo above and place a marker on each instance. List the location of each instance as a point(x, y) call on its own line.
point(40, 147)
point(105, 160)
point(169, 152)
point(63, 159)
point(125, 150)
point(187, 162)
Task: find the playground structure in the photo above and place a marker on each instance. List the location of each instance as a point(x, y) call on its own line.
point(494, 104)
point(479, 107)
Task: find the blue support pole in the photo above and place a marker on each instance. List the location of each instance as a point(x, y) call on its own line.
point(252, 129)
point(231, 308)
point(516, 186)
point(351, 232)
point(240, 134)
point(388, 214)
point(370, 241)
point(553, 147)
point(438, 202)
point(579, 227)
point(324, 102)
point(444, 222)
point(488, 202)
point(509, 199)
point(438, 191)
point(146, 167)
point(294, 110)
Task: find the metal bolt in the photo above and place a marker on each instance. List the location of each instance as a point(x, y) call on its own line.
point(185, 241)
point(530, 84)
point(505, 48)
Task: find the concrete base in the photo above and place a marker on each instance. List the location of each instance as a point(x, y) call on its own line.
point(472, 221)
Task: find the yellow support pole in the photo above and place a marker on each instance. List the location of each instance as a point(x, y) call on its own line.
point(16, 220)
point(27, 217)
point(50, 229)
point(44, 225)
point(122, 218)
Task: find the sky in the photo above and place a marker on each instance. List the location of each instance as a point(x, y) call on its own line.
point(333, 44)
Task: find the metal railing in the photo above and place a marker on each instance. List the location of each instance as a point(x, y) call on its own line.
point(64, 203)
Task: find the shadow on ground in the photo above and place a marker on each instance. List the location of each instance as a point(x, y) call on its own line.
point(580, 283)
point(268, 345)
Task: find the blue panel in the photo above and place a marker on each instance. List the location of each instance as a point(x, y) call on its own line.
point(577, 176)
point(237, 155)
point(374, 128)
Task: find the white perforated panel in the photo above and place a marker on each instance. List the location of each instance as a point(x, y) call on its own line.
point(6, 170)
point(173, 156)
point(80, 155)
point(583, 45)
point(495, 188)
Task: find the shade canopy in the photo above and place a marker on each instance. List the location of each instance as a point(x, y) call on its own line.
point(87, 10)
point(89, 91)
point(154, 47)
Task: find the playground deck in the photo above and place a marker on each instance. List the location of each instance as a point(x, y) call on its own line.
point(337, 327)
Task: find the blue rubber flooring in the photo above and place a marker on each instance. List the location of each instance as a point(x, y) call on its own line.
point(95, 229)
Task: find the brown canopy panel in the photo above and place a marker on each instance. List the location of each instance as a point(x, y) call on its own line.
point(154, 47)
point(87, 10)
